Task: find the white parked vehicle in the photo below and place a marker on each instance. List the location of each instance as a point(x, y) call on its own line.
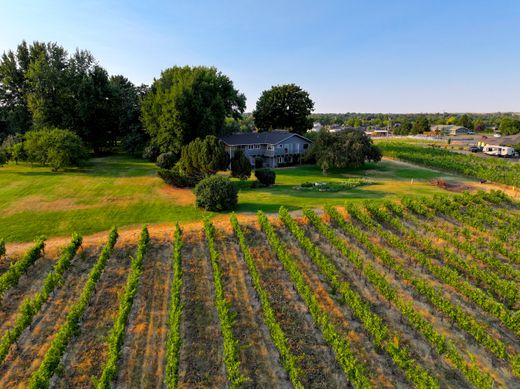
point(499, 151)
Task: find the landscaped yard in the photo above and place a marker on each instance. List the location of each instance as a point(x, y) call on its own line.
point(122, 191)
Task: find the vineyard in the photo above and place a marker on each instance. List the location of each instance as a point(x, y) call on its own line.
point(421, 292)
point(491, 169)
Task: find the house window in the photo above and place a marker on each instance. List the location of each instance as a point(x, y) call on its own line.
point(250, 147)
point(270, 147)
point(305, 146)
point(257, 146)
point(280, 146)
point(280, 159)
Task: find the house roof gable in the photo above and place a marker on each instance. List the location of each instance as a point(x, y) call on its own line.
point(267, 137)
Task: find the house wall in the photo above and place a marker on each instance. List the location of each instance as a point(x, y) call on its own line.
point(273, 155)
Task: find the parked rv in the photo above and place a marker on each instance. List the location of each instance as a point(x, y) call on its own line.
point(500, 151)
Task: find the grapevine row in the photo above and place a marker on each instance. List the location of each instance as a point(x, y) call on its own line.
point(16, 269)
point(508, 290)
point(465, 321)
point(31, 306)
point(173, 343)
point(451, 277)
point(340, 345)
point(235, 377)
point(289, 360)
point(40, 378)
point(442, 345)
point(381, 334)
point(116, 337)
point(482, 255)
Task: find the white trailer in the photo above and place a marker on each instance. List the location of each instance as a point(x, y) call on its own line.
point(499, 151)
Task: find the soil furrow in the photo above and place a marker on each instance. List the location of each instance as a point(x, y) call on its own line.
point(201, 355)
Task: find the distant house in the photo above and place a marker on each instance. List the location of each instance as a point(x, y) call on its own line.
point(316, 127)
point(276, 148)
point(377, 133)
point(449, 129)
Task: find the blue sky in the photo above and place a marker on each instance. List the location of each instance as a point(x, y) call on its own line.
point(352, 56)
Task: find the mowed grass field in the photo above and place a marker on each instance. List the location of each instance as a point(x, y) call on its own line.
point(122, 191)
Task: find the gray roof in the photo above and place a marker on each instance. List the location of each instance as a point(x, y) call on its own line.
point(266, 137)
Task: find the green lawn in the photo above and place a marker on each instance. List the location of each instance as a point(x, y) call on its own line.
point(122, 191)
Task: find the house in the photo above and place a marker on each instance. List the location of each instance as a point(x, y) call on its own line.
point(377, 133)
point(316, 127)
point(276, 148)
point(448, 129)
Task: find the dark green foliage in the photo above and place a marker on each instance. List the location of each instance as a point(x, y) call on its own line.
point(186, 103)
point(2, 247)
point(199, 159)
point(151, 152)
point(240, 166)
point(13, 148)
point(41, 85)
point(3, 157)
point(509, 126)
point(55, 147)
point(166, 160)
point(284, 107)
point(216, 193)
point(265, 176)
point(349, 148)
point(259, 163)
point(204, 156)
point(420, 125)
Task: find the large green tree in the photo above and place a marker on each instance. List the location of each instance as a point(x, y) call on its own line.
point(509, 126)
point(284, 107)
point(186, 103)
point(349, 148)
point(420, 125)
point(41, 85)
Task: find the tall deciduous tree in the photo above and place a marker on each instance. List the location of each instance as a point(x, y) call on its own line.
point(284, 107)
point(349, 148)
point(420, 125)
point(186, 103)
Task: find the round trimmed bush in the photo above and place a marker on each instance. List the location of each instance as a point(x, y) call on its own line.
point(265, 176)
point(166, 160)
point(216, 193)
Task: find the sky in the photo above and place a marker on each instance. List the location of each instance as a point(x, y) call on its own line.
point(351, 56)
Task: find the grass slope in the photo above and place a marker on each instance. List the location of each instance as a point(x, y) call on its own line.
point(121, 191)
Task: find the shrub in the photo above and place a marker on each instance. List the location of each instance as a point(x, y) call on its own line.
point(240, 166)
point(55, 147)
point(2, 247)
point(3, 157)
point(151, 152)
point(265, 176)
point(216, 193)
point(166, 160)
point(177, 177)
point(259, 163)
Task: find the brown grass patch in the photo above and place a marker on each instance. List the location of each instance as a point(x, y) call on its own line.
point(177, 195)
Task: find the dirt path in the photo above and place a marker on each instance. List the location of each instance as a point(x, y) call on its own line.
point(317, 361)
point(87, 352)
point(258, 355)
point(24, 359)
point(143, 358)
point(201, 355)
